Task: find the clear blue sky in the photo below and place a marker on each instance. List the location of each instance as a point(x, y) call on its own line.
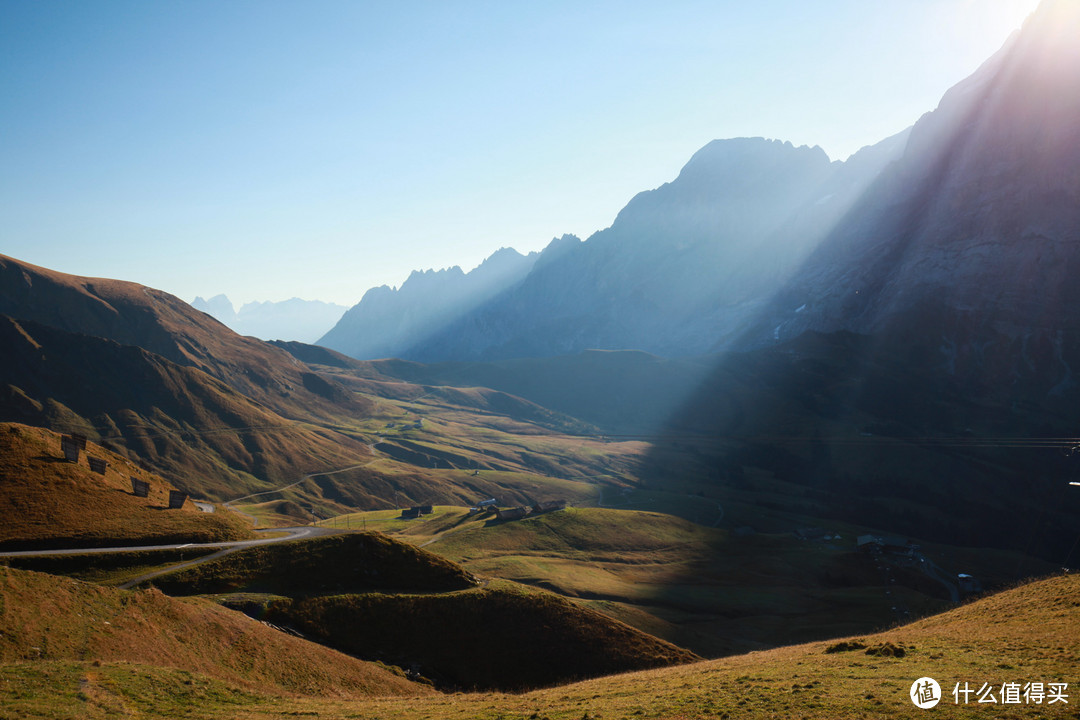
point(315, 149)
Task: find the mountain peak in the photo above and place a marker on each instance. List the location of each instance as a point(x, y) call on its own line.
point(973, 229)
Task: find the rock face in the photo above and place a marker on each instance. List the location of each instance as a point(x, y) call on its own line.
point(974, 232)
point(294, 319)
point(389, 322)
point(682, 266)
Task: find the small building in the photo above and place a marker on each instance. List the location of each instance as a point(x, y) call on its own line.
point(968, 584)
point(410, 513)
point(870, 543)
point(427, 509)
point(549, 506)
point(514, 513)
point(898, 546)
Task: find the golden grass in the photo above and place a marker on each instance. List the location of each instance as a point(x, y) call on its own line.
point(45, 618)
point(345, 563)
point(1029, 634)
point(701, 588)
point(48, 502)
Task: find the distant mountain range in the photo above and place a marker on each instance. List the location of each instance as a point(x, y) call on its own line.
point(966, 221)
point(681, 269)
point(295, 319)
point(389, 322)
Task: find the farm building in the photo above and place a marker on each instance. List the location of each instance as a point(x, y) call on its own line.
point(514, 513)
point(969, 584)
point(549, 506)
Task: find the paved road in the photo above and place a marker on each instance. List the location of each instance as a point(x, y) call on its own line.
point(290, 534)
point(255, 521)
point(224, 548)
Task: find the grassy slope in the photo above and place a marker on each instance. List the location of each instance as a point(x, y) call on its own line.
point(436, 630)
point(180, 421)
point(1028, 634)
point(501, 636)
point(48, 502)
point(45, 618)
point(459, 456)
point(358, 562)
point(702, 588)
point(107, 568)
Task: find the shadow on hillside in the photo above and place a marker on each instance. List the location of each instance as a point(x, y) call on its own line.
point(52, 459)
point(843, 434)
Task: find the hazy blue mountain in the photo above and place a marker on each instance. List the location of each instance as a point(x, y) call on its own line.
point(295, 319)
point(681, 267)
point(219, 306)
point(388, 322)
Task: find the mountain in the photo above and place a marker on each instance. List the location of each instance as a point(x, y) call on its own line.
point(134, 315)
point(216, 413)
point(388, 322)
point(967, 245)
point(918, 368)
point(294, 319)
point(220, 306)
point(682, 265)
point(204, 435)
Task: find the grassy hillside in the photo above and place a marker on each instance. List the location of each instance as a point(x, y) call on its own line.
point(229, 417)
point(190, 427)
point(45, 619)
point(859, 429)
point(710, 590)
point(133, 315)
point(1028, 634)
point(503, 636)
point(48, 502)
point(349, 563)
point(439, 629)
point(107, 568)
point(428, 452)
